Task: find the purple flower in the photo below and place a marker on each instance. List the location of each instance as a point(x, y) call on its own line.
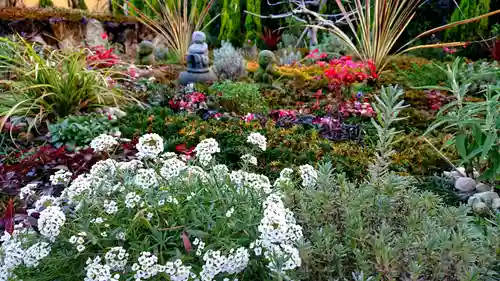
point(359, 94)
point(84, 20)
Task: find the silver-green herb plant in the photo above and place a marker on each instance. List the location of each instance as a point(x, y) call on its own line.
point(158, 217)
point(385, 228)
point(229, 64)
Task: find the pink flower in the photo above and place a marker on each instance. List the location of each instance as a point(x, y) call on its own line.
point(249, 117)
point(104, 36)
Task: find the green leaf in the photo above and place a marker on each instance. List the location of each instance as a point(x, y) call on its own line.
point(488, 143)
point(197, 233)
point(460, 144)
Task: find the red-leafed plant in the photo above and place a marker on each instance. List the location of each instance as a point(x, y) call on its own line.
point(8, 217)
point(102, 57)
point(271, 38)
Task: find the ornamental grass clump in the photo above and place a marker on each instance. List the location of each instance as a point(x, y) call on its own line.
point(45, 86)
point(157, 218)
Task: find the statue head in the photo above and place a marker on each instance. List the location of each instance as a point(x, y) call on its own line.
point(146, 47)
point(198, 37)
point(266, 57)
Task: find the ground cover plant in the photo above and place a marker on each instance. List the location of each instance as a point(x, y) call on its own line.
point(338, 159)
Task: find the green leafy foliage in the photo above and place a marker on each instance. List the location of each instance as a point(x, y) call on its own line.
point(78, 131)
point(469, 9)
point(422, 75)
point(240, 97)
point(56, 84)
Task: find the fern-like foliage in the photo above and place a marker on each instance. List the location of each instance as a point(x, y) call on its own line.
point(388, 106)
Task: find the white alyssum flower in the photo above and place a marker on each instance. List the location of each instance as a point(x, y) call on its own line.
point(172, 168)
point(110, 207)
point(116, 258)
point(244, 179)
point(308, 175)
point(95, 271)
point(258, 140)
point(216, 263)
point(36, 253)
point(60, 177)
point(50, 222)
point(132, 199)
point(46, 201)
point(249, 159)
point(283, 252)
point(129, 166)
point(205, 149)
point(28, 190)
point(285, 178)
point(97, 220)
point(120, 236)
point(146, 266)
point(79, 188)
point(230, 212)
point(177, 271)
point(146, 178)
point(220, 171)
point(103, 143)
point(149, 146)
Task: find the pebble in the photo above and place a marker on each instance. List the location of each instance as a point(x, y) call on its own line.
point(465, 184)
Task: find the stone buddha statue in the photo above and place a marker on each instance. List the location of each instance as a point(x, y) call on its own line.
point(198, 70)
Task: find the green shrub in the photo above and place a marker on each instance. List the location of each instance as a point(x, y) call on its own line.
point(78, 131)
point(287, 147)
point(55, 84)
point(240, 97)
point(422, 75)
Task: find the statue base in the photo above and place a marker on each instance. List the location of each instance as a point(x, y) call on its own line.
point(187, 77)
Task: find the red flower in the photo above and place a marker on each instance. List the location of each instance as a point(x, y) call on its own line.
point(104, 36)
point(188, 152)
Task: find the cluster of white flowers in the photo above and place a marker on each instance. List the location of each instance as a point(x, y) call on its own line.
point(288, 253)
point(120, 236)
point(13, 255)
point(110, 207)
point(35, 253)
point(285, 178)
point(258, 140)
point(200, 245)
point(97, 220)
point(46, 201)
point(216, 263)
point(129, 166)
point(99, 272)
point(146, 178)
point(28, 190)
point(256, 181)
point(172, 168)
point(103, 142)
point(249, 159)
point(146, 267)
point(308, 175)
point(60, 177)
point(178, 272)
point(149, 146)
point(78, 240)
point(80, 187)
point(50, 222)
point(195, 174)
point(205, 149)
point(278, 234)
point(221, 171)
point(132, 199)
point(116, 258)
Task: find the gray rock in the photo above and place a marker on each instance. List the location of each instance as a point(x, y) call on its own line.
point(495, 205)
point(481, 187)
point(465, 184)
point(487, 197)
point(93, 33)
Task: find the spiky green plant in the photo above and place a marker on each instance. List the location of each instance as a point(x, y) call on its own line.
point(377, 25)
point(387, 106)
point(45, 86)
point(175, 21)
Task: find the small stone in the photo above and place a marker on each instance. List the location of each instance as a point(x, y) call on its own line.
point(480, 207)
point(481, 187)
point(465, 184)
point(495, 205)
